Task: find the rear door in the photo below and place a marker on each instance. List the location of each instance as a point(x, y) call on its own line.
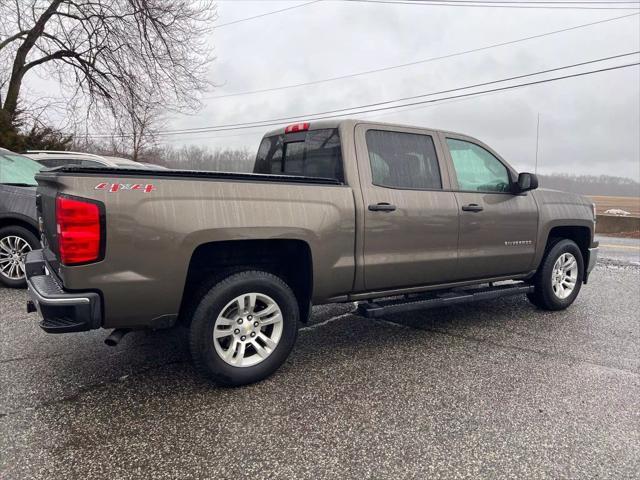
point(498, 228)
point(410, 214)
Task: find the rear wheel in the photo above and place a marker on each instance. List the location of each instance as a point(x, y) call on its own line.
point(15, 243)
point(559, 278)
point(244, 328)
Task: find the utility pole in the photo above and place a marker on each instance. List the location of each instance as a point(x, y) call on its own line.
point(537, 143)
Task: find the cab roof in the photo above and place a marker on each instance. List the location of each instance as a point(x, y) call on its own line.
point(339, 122)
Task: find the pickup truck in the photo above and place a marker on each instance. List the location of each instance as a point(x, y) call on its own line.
point(392, 217)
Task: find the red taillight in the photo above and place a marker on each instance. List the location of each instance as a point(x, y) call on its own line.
point(297, 127)
point(79, 232)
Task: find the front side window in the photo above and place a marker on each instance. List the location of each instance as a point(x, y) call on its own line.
point(477, 169)
point(18, 170)
point(316, 153)
point(403, 160)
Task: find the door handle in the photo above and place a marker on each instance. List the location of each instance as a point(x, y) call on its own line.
point(382, 207)
point(472, 207)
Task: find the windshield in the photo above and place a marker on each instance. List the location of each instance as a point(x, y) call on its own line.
point(18, 170)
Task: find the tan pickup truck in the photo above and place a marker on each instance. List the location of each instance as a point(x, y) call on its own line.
point(393, 217)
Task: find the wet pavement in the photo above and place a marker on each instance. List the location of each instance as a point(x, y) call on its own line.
point(621, 249)
point(496, 389)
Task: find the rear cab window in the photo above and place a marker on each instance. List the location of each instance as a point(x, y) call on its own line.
point(313, 153)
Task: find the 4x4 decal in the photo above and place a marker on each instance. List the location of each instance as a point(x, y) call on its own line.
point(116, 187)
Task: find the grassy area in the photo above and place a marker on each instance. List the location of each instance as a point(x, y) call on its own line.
point(629, 204)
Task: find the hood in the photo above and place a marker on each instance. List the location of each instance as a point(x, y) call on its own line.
point(557, 205)
point(546, 195)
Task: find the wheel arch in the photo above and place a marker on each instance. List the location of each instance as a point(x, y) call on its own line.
point(17, 220)
point(579, 234)
point(582, 235)
point(289, 259)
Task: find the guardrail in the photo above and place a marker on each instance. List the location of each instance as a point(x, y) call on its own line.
point(617, 224)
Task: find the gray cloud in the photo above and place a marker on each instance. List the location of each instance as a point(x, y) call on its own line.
point(589, 125)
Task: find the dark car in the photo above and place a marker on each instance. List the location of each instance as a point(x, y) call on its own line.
point(18, 220)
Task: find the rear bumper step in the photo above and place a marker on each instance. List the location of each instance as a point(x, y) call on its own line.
point(374, 309)
point(61, 311)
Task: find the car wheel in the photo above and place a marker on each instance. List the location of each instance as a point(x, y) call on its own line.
point(559, 278)
point(15, 243)
point(244, 328)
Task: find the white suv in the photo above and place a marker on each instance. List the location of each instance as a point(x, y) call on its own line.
point(54, 158)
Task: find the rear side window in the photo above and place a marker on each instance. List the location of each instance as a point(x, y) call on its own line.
point(403, 160)
point(316, 153)
point(51, 162)
point(58, 162)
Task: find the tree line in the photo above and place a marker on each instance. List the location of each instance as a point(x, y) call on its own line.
point(591, 184)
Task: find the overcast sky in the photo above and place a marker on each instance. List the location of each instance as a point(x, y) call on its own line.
point(588, 125)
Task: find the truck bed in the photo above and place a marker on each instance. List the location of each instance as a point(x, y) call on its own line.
point(153, 234)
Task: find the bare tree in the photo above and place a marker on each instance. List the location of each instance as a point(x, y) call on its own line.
point(136, 121)
point(100, 49)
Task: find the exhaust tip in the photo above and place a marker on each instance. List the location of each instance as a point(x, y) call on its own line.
point(114, 338)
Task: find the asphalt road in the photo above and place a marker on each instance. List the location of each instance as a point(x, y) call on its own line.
point(492, 390)
point(622, 249)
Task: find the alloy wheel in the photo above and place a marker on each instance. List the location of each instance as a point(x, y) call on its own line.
point(13, 250)
point(564, 275)
point(248, 329)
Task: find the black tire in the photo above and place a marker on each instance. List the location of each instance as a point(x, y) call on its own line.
point(544, 296)
point(205, 357)
point(27, 236)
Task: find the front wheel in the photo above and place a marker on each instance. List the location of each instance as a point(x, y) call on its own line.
point(15, 243)
point(559, 278)
point(244, 328)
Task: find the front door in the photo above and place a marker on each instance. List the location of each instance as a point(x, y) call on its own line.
point(410, 219)
point(498, 228)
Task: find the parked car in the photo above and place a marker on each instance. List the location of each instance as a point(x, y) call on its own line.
point(395, 218)
point(53, 158)
point(18, 225)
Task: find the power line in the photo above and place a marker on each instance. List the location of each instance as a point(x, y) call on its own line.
point(265, 14)
point(232, 126)
point(482, 4)
point(413, 97)
point(510, 87)
point(377, 106)
point(417, 62)
point(373, 114)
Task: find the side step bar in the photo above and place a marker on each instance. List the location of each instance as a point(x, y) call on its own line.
point(374, 309)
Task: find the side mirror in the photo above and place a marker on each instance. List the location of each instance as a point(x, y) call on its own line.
point(527, 181)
